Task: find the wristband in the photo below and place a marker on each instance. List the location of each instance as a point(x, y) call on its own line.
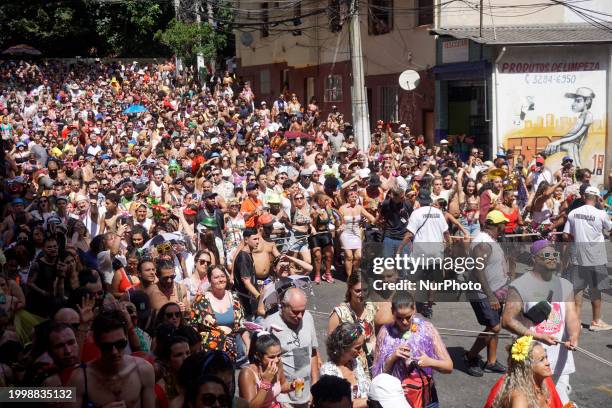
point(265, 385)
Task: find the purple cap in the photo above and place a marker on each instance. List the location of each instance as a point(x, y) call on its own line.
point(251, 186)
point(538, 245)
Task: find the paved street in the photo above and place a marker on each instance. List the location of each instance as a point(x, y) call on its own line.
point(592, 382)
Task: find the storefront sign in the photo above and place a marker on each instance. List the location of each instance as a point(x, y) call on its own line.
point(554, 101)
point(455, 51)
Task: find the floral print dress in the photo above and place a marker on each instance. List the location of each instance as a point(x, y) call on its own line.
point(213, 338)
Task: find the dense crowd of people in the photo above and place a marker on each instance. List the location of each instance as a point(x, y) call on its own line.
point(164, 233)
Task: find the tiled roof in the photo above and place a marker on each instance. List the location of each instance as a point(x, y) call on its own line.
point(542, 34)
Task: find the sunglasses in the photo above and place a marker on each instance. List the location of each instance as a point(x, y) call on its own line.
point(164, 247)
point(108, 347)
point(203, 261)
point(550, 255)
point(209, 400)
point(170, 315)
point(169, 277)
point(299, 198)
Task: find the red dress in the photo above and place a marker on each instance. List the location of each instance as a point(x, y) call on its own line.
point(553, 401)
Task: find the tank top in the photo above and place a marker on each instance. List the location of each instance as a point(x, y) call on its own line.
point(512, 220)
point(301, 216)
point(542, 216)
point(496, 271)
point(532, 291)
point(270, 401)
point(323, 223)
point(226, 318)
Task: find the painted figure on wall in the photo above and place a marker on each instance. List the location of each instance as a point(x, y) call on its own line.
point(574, 140)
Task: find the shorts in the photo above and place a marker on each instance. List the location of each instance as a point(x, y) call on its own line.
point(594, 277)
point(320, 240)
point(485, 314)
point(298, 242)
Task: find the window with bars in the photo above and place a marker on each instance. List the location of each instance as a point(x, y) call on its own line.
point(380, 17)
point(333, 88)
point(389, 96)
point(265, 82)
point(426, 12)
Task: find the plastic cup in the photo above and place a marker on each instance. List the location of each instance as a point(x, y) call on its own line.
point(299, 387)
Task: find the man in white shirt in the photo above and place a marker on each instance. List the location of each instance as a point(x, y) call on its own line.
point(586, 226)
point(428, 230)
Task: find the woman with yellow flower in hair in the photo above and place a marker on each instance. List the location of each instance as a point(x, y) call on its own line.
point(528, 383)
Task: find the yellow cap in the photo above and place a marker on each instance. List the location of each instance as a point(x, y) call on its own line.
point(496, 217)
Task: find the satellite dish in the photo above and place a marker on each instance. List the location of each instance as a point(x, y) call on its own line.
point(246, 38)
point(409, 80)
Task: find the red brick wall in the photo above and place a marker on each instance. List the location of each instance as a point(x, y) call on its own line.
point(412, 104)
point(297, 83)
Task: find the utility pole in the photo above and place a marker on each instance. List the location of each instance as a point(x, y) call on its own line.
point(211, 21)
point(200, 65)
point(177, 14)
point(359, 98)
point(480, 28)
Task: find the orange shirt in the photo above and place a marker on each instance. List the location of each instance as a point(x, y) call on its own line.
point(249, 206)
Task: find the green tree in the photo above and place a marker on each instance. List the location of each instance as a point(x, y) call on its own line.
point(128, 27)
point(53, 27)
point(187, 39)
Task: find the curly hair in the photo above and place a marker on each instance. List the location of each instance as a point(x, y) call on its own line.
point(519, 377)
point(341, 339)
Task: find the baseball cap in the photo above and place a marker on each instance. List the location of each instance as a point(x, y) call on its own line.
point(274, 198)
point(538, 245)
point(387, 391)
point(306, 172)
point(209, 222)
point(403, 126)
point(209, 194)
point(214, 140)
point(592, 190)
point(540, 160)
point(189, 211)
point(251, 186)
point(265, 219)
point(364, 173)
point(496, 217)
point(18, 201)
point(567, 159)
point(443, 141)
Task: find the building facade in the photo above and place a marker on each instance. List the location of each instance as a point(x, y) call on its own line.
point(527, 78)
point(303, 47)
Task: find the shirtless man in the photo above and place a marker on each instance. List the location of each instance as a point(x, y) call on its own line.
point(108, 220)
point(309, 155)
point(265, 253)
point(64, 350)
point(146, 274)
point(103, 382)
